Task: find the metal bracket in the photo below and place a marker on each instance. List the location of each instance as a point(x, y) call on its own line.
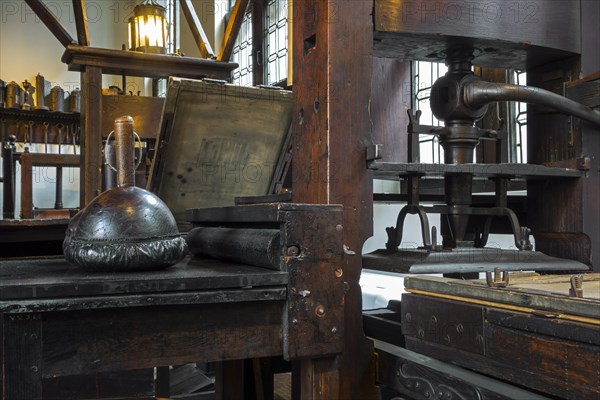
point(497, 279)
point(576, 289)
point(373, 152)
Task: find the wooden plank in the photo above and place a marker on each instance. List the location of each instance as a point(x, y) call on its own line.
point(146, 113)
point(131, 63)
point(331, 131)
point(51, 22)
point(232, 30)
point(91, 138)
point(92, 341)
point(563, 368)
point(26, 186)
point(202, 42)
point(316, 378)
point(131, 384)
point(81, 24)
point(142, 300)
point(229, 380)
point(414, 374)
point(510, 296)
point(36, 279)
point(22, 367)
point(390, 90)
point(53, 160)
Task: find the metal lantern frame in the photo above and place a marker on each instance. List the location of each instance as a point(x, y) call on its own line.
point(148, 28)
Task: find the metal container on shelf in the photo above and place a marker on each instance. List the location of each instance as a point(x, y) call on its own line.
point(14, 95)
point(75, 101)
point(57, 99)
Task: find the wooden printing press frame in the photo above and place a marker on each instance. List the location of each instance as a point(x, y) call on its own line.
point(219, 141)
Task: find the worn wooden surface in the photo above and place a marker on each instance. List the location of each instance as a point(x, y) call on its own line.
point(331, 131)
point(422, 377)
point(131, 63)
point(210, 150)
point(33, 279)
point(91, 138)
point(510, 296)
point(232, 30)
point(198, 33)
point(81, 23)
point(541, 351)
point(145, 111)
point(390, 100)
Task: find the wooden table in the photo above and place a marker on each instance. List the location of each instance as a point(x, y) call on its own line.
point(57, 320)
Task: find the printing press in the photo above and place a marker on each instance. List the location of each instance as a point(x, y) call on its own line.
point(245, 248)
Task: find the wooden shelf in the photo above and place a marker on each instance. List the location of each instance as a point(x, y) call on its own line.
point(131, 63)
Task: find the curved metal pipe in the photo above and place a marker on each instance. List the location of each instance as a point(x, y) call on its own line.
point(478, 94)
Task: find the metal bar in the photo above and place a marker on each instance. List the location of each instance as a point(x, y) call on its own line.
point(232, 30)
point(51, 22)
point(258, 41)
point(506, 170)
point(81, 24)
point(202, 42)
point(477, 94)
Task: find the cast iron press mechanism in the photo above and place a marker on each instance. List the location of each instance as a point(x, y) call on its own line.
point(125, 228)
point(460, 98)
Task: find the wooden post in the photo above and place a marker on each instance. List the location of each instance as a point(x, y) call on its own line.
point(332, 56)
point(91, 138)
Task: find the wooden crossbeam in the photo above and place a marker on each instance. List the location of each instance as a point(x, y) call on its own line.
point(233, 29)
point(51, 22)
point(83, 38)
point(206, 50)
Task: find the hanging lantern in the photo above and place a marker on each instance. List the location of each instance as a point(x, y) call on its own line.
point(148, 28)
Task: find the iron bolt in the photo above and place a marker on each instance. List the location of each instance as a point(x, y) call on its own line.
point(408, 317)
point(421, 333)
point(293, 251)
point(427, 394)
point(295, 321)
point(339, 272)
point(460, 328)
point(339, 227)
point(34, 368)
point(320, 310)
point(447, 338)
point(334, 330)
point(434, 319)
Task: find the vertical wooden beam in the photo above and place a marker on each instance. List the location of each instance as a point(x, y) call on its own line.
point(91, 138)
point(258, 41)
point(331, 130)
point(51, 22)
point(81, 25)
point(229, 380)
point(316, 379)
point(22, 375)
point(232, 30)
point(191, 17)
point(26, 186)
